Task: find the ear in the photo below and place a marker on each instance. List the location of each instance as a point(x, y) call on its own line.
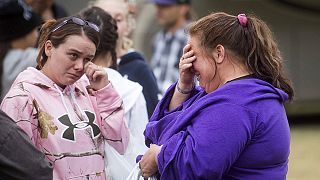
point(218, 53)
point(130, 25)
point(48, 48)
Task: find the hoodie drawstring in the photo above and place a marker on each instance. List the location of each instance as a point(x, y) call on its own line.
point(62, 98)
point(83, 116)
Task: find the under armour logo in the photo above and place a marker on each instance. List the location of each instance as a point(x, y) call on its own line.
point(81, 125)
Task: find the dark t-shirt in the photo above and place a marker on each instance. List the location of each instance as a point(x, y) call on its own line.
point(19, 158)
point(136, 68)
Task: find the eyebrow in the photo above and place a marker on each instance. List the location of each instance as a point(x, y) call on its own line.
point(79, 52)
point(119, 14)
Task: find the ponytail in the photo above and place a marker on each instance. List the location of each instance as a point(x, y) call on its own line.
point(264, 58)
point(43, 37)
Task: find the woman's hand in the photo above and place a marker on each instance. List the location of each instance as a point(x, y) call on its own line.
point(186, 80)
point(97, 76)
point(148, 163)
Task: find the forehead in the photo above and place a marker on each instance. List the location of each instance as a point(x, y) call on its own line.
point(194, 41)
point(114, 7)
point(79, 42)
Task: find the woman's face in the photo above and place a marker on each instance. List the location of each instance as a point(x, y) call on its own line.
point(204, 67)
point(119, 12)
point(65, 64)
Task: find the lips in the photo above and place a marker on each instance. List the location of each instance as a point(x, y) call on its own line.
point(73, 75)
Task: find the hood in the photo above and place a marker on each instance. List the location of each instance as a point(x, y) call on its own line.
point(131, 56)
point(128, 90)
point(35, 77)
point(254, 89)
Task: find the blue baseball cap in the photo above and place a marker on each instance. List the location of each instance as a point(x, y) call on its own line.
point(171, 2)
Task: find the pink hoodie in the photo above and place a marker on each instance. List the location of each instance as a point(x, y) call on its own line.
point(68, 125)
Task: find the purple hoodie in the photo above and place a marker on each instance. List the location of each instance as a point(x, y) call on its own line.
point(239, 131)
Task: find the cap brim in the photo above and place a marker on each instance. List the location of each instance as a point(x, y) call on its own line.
point(159, 2)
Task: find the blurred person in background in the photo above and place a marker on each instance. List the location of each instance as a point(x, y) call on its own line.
point(67, 105)
point(131, 63)
point(18, 36)
point(232, 126)
point(118, 167)
point(48, 9)
point(172, 16)
point(19, 158)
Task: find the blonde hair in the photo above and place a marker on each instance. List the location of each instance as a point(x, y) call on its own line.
point(127, 43)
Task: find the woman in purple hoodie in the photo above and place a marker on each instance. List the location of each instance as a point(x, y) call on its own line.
point(233, 126)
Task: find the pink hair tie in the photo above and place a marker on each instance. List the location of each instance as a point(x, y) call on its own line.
point(242, 18)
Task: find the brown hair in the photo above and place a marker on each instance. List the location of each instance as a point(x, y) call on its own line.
point(108, 32)
point(60, 35)
point(253, 42)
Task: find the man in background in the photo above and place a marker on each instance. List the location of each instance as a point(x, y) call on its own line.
point(172, 16)
point(48, 9)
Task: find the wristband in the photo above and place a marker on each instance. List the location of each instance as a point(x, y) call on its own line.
point(182, 91)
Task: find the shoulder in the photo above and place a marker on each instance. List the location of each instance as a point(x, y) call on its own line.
point(18, 60)
point(6, 125)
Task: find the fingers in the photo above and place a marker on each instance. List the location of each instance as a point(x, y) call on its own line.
point(97, 76)
point(186, 48)
point(93, 71)
point(145, 167)
point(187, 60)
point(186, 68)
point(188, 55)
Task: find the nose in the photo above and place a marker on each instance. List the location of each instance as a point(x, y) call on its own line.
point(79, 65)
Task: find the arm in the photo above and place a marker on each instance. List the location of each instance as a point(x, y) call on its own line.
point(109, 106)
point(17, 104)
point(20, 159)
point(186, 81)
point(208, 147)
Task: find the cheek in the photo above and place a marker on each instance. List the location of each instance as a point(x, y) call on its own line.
point(121, 28)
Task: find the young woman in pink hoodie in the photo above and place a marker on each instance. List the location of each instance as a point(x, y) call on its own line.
point(67, 115)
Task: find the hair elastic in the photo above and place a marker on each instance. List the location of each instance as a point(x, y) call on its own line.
point(242, 18)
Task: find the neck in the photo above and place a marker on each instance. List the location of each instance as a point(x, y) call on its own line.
point(104, 61)
point(233, 71)
point(120, 48)
point(51, 76)
point(19, 44)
